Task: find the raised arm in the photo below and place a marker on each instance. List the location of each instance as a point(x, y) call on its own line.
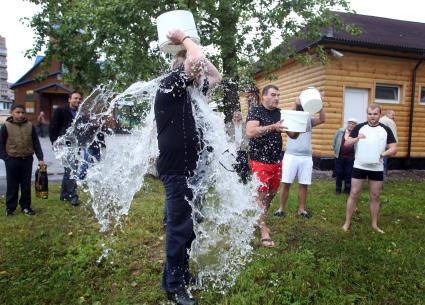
point(196, 64)
point(320, 119)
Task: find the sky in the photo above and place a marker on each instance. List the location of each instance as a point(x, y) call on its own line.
point(19, 38)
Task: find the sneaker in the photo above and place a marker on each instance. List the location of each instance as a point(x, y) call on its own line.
point(9, 212)
point(305, 215)
point(279, 213)
point(181, 297)
point(28, 212)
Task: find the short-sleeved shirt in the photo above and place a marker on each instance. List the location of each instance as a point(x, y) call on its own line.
point(267, 148)
point(382, 134)
point(179, 141)
point(300, 146)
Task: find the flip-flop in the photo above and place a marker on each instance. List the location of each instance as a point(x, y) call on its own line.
point(267, 242)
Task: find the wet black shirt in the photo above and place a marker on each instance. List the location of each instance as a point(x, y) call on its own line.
point(267, 148)
point(178, 139)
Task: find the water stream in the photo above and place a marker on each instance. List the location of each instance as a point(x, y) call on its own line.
point(113, 175)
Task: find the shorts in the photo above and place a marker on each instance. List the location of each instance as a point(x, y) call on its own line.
point(268, 174)
point(363, 174)
point(300, 166)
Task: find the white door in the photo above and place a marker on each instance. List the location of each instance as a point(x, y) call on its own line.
point(355, 104)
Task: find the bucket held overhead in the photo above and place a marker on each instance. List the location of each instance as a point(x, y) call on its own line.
point(311, 100)
point(178, 19)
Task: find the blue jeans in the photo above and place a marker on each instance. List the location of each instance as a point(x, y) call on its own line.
point(179, 232)
point(69, 186)
point(89, 155)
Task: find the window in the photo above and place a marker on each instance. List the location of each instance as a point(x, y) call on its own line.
point(387, 94)
point(422, 96)
point(29, 95)
point(29, 107)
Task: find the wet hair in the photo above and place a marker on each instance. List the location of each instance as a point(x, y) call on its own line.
point(14, 106)
point(177, 60)
point(75, 91)
point(267, 88)
point(373, 107)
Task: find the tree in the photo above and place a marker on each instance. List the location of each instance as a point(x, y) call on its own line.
point(122, 34)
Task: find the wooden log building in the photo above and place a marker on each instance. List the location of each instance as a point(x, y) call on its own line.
point(42, 95)
point(384, 64)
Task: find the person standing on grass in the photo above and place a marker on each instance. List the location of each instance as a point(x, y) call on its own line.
point(180, 144)
point(344, 157)
point(264, 129)
point(18, 142)
point(61, 121)
point(298, 161)
point(372, 129)
point(388, 120)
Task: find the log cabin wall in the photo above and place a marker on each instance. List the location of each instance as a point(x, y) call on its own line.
point(358, 68)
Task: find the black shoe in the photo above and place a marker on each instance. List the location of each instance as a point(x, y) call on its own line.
point(305, 215)
point(181, 297)
point(279, 213)
point(28, 211)
point(190, 280)
point(74, 201)
point(9, 212)
point(337, 192)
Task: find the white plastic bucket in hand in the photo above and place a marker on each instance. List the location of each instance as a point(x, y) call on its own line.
point(368, 151)
point(178, 19)
point(295, 120)
point(311, 100)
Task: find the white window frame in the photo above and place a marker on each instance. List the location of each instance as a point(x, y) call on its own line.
point(421, 87)
point(384, 101)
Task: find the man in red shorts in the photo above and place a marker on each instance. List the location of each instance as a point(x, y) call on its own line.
point(264, 128)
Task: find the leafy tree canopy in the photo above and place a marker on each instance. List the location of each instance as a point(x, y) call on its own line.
point(116, 40)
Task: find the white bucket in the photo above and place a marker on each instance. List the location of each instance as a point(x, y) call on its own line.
point(311, 100)
point(178, 19)
point(368, 151)
point(295, 120)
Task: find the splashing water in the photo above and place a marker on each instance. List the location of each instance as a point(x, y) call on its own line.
point(224, 209)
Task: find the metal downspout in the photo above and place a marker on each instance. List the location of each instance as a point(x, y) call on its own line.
point(412, 105)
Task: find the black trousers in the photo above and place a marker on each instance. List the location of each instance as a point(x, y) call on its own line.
point(18, 175)
point(242, 166)
point(343, 169)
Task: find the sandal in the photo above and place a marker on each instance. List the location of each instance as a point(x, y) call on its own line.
point(267, 242)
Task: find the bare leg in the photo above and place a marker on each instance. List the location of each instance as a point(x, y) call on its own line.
point(284, 195)
point(302, 197)
point(374, 192)
point(356, 189)
point(264, 199)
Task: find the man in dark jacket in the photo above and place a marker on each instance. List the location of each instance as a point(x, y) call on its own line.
point(61, 121)
point(18, 143)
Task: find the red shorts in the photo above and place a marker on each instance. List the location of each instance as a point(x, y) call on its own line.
point(268, 174)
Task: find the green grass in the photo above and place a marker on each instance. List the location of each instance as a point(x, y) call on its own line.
point(51, 258)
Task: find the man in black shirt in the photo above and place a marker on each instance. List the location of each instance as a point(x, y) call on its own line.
point(61, 121)
point(179, 144)
point(264, 128)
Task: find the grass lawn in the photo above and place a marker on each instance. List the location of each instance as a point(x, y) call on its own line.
point(51, 258)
